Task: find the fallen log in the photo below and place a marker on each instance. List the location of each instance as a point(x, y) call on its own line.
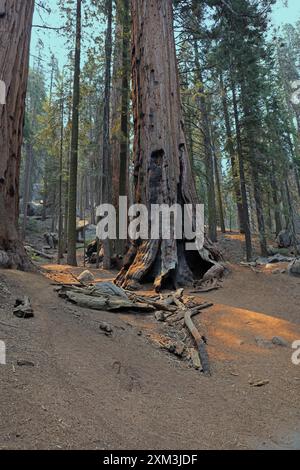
point(199, 341)
point(205, 289)
point(194, 311)
point(23, 308)
point(157, 305)
point(39, 253)
point(188, 314)
point(95, 300)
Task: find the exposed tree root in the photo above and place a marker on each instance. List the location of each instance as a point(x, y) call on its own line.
point(166, 264)
point(15, 257)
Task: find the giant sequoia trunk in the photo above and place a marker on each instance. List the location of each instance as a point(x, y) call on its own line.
point(15, 29)
point(162, 168)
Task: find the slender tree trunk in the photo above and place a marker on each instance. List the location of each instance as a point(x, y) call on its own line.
point(162, 173)
point(219, 190)
point(120, 111)
point(276, 206)
point(74, 145)
point(295, 166)
point(208, 153)
point(253, 163)
point(233, 158)
point(259, 212)
point(124, 147)
point(291, 217)
point(246, 221)
point(15, 30)
point(116, 102)
point(60, 190)
point(27, 178)
point(106, 162)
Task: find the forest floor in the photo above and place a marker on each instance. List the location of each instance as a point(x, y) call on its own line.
point(87, 390)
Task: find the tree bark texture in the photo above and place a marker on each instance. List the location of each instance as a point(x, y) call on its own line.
point(162, 172)
point(15, 31)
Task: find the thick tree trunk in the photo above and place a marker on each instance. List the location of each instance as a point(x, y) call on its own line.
point(162, 173)
point(72, 236)
point(15, 30)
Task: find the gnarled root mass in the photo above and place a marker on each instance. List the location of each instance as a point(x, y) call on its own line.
point(14, 256)
point(167, 264)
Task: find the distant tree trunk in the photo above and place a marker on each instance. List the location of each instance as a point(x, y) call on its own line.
point(291, 217)
point(124, 147)
point(277, 216)
point(116, 102)
point(120, 110)
point(106, 196)
point(246, 221)
point(259, 212)
point(45, 191)
point(233, 159)
point(27, 178)
point(219, 190)
point(208, 154)
point(162, 171)
point(15, 30)
point(295, 163)
point(253, 163)
point(74, 145)
point(60, 189)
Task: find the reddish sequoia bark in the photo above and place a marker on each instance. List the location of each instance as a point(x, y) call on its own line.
point(162, 167)
point(15, 29)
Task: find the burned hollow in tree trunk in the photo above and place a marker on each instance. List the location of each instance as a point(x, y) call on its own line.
point(162, 172)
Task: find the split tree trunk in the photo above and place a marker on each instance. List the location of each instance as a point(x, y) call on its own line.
point(162, 172)
point(15, 31)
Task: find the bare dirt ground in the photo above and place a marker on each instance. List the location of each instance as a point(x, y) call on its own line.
point(90, 391)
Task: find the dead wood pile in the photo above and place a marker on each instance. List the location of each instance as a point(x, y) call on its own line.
point(174, 309)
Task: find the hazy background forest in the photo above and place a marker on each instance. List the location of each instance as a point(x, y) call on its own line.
point(238, 63)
